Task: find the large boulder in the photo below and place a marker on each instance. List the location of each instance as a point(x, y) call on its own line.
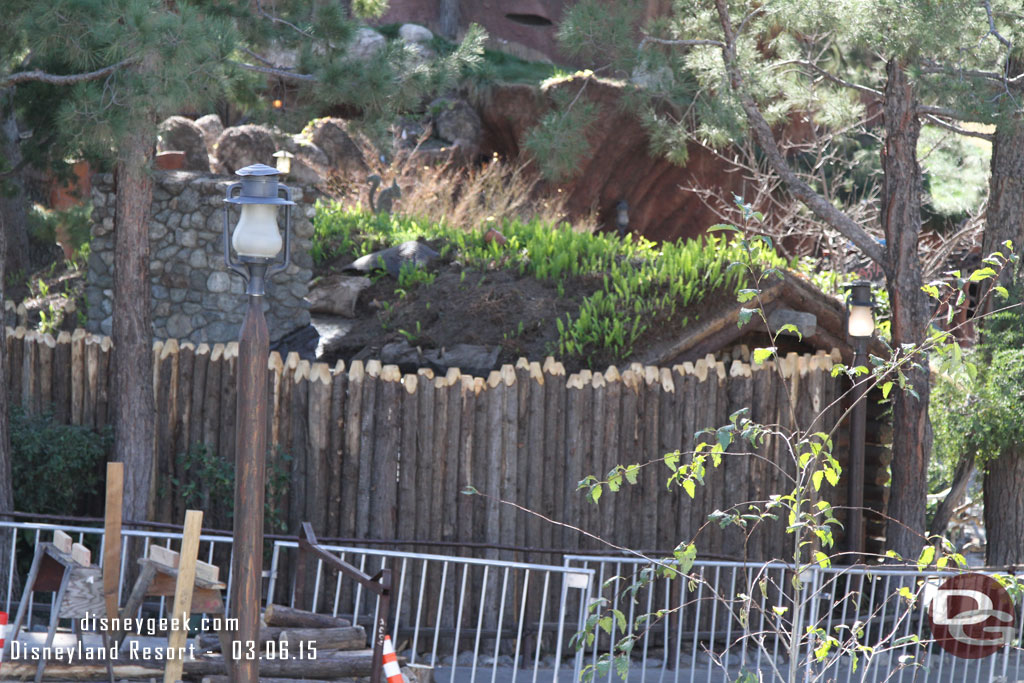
point(457, 122)
point(414, 33)
point(337, 295)
point(241, 146)
point(366, 44)
point(182, 134)
point(310, 165)
point(212, 128)
point(343, 154)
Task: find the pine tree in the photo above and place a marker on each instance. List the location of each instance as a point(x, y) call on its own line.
point(740, 69)
point(124, 65)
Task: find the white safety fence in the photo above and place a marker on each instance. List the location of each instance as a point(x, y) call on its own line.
point(475, 619)
point(727, 618)
point(21, 539)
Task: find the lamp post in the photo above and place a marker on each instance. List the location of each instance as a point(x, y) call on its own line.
point(283, 161)
point(257, 242)
point(860, 326)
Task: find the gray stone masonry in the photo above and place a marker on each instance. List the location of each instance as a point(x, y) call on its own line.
point(194, 296)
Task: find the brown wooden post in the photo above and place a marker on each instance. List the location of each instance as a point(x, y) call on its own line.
point(250, 472)
point(855, 481)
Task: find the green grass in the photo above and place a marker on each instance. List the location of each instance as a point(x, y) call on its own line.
point(643, 284)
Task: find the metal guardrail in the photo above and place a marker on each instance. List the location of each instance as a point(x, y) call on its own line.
point(702, 636)
point(213, 548)
point(463, 612)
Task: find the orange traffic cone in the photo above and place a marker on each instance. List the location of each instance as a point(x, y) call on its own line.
point(3, 635)
point(391, 670)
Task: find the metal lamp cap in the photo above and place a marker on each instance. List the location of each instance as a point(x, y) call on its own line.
point(259, 186)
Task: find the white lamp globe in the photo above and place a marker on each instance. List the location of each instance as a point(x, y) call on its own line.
point(862, 322)
point(256, 234)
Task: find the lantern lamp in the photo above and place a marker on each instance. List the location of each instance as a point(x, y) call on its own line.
point(256, 239)
point(860, 306)
point(284, 161)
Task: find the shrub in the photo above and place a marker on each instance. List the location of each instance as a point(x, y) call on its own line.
point(56, 468)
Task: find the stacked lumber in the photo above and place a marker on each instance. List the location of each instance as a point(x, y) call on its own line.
point(296, 645)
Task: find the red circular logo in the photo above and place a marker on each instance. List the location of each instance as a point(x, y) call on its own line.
point(971, 616)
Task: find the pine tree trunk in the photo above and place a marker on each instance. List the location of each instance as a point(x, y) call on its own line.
point(6, 485)
point(448, 19)
point(901, 218)
point(1004, 478)
point(132, 328)
point(12, 207)
point(1004, 511)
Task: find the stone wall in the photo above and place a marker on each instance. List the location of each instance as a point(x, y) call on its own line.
point(194, 296)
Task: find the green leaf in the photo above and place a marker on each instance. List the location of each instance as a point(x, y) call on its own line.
point(470, 491)
point(761, 355)
point(926, 557)
point(606, 624)
point(982, 274)
point(822, 559)
point(689, 487)
point(745, 295)
point(631, 473)
point(886, 388)
point(816, 479)
point(745, 315)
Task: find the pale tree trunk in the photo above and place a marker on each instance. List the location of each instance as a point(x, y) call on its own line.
point(132, 328)
point(901, 218)
point(1004, 477)
point(6, 485)
point(448, 19)
point(12, 205)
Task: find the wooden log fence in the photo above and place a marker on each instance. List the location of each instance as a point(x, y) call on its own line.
point(367, 452)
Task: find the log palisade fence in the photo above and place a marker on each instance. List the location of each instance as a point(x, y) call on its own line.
point(372, 453)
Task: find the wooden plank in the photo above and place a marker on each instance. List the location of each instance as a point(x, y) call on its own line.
point(535, 450)
point(197, 400)
point(371, 384)
point(523, 456)
point(740, 394)
point(388, 423)
point(15, 356)
point(647, 493)
point(350, 456)
point(183, 593)
point(63, 542)
point(509, 518)
point(325, 639)
point(47, 346)
point(627, 519)
point(592, 513)
point(212, 401)
point(554, 450)
point(226, 435)
point(440, 469)
point(408, 464)
point(62, 378)
point(574, 455)
point(182, 421)
point(336, 448)
point(112, 516)
point(668, 441)
point(686, 386)
point(425, 456)
point(613, 406)
point(166, 425)
point(298, 441)
point(29, 376)
point(465, 505)
point(85, 351)
point(81, 555)
point(289, 617)
point(319, 401)
point(495, 398)
point(170, 558)
point(104, 381)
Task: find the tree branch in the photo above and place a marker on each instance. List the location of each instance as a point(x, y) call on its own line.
point(679, 43)
point(818, 205)
point(280, 73)
point(931, 118)
point(832, 77)
point(62, 79)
